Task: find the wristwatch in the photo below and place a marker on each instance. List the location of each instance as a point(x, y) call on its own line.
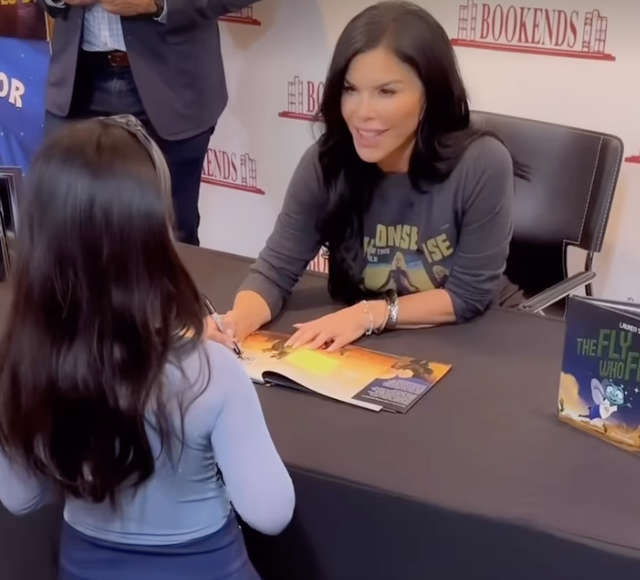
point(392, 309)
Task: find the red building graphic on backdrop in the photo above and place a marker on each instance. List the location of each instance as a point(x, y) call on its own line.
point(244, 16)
point(632, 159)
point(544, 31)
point(320, 263)
point(231, 171)
point(303, 99)
point(24, 20)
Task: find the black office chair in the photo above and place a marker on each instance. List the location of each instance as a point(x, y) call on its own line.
point(567, 203)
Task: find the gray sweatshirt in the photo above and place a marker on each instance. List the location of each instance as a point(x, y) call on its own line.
point(455, 236)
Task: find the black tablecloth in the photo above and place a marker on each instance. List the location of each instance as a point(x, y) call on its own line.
point(478, 481)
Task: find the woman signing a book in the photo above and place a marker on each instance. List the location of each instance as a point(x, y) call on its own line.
point(111, 400)
point(412, 204)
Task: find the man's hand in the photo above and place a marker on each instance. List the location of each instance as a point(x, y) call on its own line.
point(128, 7)
point(80, 2)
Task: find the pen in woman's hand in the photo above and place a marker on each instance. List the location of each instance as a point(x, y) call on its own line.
point(216, 318)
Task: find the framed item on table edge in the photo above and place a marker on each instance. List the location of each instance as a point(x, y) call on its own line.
point(10, 193)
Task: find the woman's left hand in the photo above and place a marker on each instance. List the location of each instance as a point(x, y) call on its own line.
point(334, 330)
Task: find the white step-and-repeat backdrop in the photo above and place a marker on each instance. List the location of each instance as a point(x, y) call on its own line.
point(575, 62)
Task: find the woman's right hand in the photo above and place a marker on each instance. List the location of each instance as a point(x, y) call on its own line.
point(229, 325)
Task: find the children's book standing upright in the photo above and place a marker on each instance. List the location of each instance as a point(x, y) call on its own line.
point(600, 380)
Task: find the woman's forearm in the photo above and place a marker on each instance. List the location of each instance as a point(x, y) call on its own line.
point(251, 312)
point(428, 308)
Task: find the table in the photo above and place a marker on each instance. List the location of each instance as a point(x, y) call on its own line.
point(477, 481)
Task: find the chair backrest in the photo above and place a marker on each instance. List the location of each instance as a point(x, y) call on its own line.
point(567, 200)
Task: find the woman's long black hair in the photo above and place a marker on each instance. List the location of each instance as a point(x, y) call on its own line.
point(444, 132)
point(100, 302)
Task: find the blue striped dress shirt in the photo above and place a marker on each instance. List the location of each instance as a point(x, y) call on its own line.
point(102, 30)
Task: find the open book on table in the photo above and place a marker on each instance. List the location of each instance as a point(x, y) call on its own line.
point(355, 375)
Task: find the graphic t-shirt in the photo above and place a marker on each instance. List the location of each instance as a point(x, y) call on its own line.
point(453, 235)
point(404, 249)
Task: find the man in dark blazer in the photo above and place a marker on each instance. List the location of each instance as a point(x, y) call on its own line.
point(159, 60)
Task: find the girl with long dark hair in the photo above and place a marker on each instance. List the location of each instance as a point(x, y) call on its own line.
point(111, 400)
point(411, 202)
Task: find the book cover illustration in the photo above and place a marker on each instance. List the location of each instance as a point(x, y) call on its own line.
point(600, 380)
point(355, 375)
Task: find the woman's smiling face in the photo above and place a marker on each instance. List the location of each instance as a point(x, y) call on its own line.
point(382, 103)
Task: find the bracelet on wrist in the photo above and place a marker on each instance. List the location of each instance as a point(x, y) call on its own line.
point(392, 309)
point(369, 314)
point(382, 326)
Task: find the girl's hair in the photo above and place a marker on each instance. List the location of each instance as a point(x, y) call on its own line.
point(100, 304)
point(444, 131)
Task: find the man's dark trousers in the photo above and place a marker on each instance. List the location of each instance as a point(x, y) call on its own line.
point(102, 89)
